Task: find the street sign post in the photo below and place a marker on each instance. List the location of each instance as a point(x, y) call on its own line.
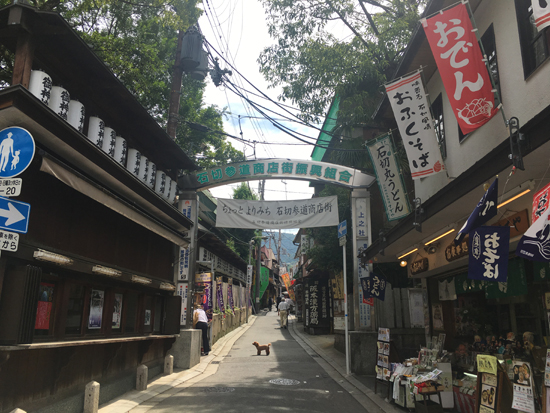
point(16, 151)
point(342, 229)
point(10, 187)
point(342, 241)
point(9, 241)
point(14, 215)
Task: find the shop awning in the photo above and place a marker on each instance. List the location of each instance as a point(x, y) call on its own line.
point(84, 186)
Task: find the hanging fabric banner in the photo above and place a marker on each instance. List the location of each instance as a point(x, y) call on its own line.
point(389, 177)
point(540, 203)
point(219, 295)
point(541, 13)
point(286, 280)
point(300, 213)
point(535, 243)
point(374, 287)
point(485, 209)
point(463, 72)
point(489, 254)
point(412, 114)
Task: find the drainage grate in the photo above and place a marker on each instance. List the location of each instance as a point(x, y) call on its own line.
point(215, 362)
point(284, 382)
point(314, 355)
point(228, 355)
point(218, 389)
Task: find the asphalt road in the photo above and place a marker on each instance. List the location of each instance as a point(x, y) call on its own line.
point(288, 380)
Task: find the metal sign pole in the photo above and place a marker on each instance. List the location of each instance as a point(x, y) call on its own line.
point(346, 308)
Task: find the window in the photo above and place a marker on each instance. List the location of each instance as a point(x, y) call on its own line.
point(75, 309)
point(534, 44)
point(437, 111)
point(488, 46)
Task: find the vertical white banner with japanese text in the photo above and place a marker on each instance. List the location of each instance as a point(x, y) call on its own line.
point(183, 270)
point(182, 290)
point(389, 178)
point(412, 114)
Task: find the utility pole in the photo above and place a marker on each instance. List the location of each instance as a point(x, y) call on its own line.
point(175, 91)
point(258, 271)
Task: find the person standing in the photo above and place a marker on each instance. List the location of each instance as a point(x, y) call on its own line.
point(283, 313)
point(200, 321)
point(270, 304)
point(279, 299)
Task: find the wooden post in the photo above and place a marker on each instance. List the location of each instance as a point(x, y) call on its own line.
point(24, 50)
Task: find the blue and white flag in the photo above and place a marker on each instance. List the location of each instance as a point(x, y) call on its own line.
point(485, 210)
point(535, 243)
point(489, 247)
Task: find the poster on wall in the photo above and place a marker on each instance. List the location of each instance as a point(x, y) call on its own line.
point(96, 309)
point(383, 350)
point(524, 399)
point(147, 318)
point(44, 307)
point(117, 311)
point(437, 316)
point(547, 370)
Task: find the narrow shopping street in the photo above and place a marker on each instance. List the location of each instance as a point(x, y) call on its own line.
point(237, 380)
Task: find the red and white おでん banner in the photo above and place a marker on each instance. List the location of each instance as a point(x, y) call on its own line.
point(541, 202)
point(414, 120)
point(460, 63)
point(541, 13)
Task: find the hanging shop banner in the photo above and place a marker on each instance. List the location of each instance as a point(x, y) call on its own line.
point(286, 280)
point(389, 177)
point(540, 203)
point(414, 119)
point(302, 213)
point(374, 286)
point(485, 209)
point(489, 254)
point(230, 295)
point(535, 243)
point(524, 399)
point(463, 72)
point(219, 295)
point(541, 13)
point(96, 309)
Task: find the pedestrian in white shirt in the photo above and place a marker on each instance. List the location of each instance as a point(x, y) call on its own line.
point(200, 320)
point(283, 313)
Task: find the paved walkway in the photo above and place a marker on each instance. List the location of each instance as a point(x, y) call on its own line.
point(167, 393)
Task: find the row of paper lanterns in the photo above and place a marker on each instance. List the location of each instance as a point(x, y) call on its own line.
point(58, 99)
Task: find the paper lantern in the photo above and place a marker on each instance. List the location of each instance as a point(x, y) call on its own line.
point(160, 183)
point(167, 187)
point(76, 115)
point(59, 101)
point(134, 161)
point(96, 131)
point(152, 175)
point(121, 150)
point(109, 141)
point(173, 191)
point(144, 169)
point(40, 85)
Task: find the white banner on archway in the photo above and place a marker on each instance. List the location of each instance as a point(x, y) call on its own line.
point(301, 213)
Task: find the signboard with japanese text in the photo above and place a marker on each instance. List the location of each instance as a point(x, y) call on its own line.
point(464, 74)
point(541, 13)
point(524, 396)
point(318, 303)
point(302, 213)
point(541, 201)
point(487, 363)
point(454, 252)
point(535, 243)
point(374, 286)
point(414, 120)
point(488, 259)
point(419, 266)
point(517, 222)
point(389, 177)
point(277, 169)
point(365, 303)
point(182, 290)
point(10, 187)
point(183, 271)
point(361, 218)
point(485, 209)
point(187, 207)
point(9, 241)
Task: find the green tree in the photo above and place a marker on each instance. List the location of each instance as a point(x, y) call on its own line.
point(239, 238)
point(137, 40)
point(311, 63)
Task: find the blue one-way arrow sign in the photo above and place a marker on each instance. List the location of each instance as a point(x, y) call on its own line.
point(342, 229)
point(14, 215)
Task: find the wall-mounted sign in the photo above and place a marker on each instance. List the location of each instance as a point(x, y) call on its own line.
point(518, 223)
point(16, 151)
point(454, 252)
point(419, 266)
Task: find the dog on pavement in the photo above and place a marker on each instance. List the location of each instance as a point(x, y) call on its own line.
point(261, 347)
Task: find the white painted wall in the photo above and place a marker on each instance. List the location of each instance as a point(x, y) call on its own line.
point(521, 98)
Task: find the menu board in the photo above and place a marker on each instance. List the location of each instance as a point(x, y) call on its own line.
point(383, 354)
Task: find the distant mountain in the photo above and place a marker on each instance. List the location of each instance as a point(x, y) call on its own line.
point(288, 249)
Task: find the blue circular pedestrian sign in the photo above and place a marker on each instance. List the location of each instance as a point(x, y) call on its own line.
point(16, 151)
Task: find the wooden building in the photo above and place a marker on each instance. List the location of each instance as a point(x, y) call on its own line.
point(89, 292)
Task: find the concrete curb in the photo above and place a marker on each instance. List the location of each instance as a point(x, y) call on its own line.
point(166, 386)
point(365, 396)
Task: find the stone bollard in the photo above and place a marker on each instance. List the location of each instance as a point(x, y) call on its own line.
point(168, 364)
point(141, 378)
point(18, 410)
point(91, 397)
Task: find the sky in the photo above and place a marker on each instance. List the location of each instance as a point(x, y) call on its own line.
point(237, 30)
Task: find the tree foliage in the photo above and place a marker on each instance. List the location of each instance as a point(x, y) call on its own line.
point(137, 40)
point(311, 63)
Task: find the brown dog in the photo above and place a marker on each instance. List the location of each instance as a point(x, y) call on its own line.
point(262, 347)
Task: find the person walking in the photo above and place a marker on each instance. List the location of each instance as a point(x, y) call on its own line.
point(279, 299)
point(200, 321)
point(270, 304)
point(283, 313)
